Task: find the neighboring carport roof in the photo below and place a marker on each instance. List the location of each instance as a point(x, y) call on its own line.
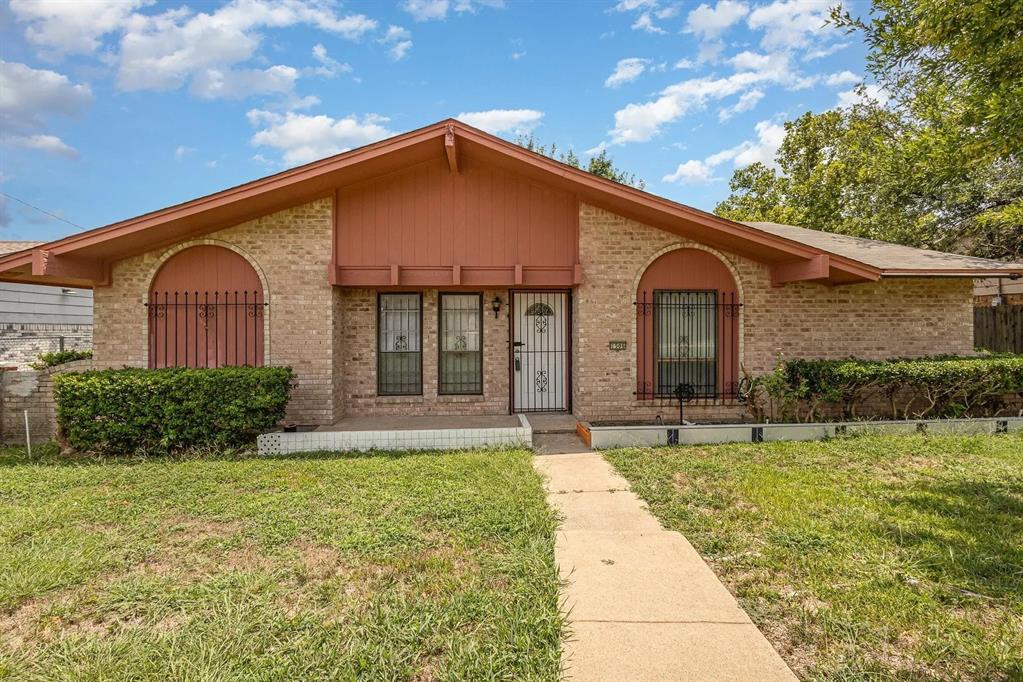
point(84, 259)
point(892, 260)
point(7, 247)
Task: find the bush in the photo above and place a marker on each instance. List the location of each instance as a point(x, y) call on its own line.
point(938, 387)
point(60, 358)
point(159, 411)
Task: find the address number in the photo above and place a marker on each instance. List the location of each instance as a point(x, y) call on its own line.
point(617, 345)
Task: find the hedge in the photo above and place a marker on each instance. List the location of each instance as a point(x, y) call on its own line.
point(60, 357)
point(936, 387)
point(159, 411)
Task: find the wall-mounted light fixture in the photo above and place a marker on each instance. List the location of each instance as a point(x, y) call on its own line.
point(496, 305)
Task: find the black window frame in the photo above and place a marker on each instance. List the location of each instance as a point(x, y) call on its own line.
point(668, 392)
point(415, 390)
point(440, 341)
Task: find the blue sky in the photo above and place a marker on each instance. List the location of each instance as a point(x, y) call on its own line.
point(111, 109)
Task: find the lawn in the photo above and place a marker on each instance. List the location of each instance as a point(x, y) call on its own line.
point(390, 567)
point(870, 558)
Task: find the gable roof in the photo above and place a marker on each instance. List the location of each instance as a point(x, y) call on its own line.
point(83, 259)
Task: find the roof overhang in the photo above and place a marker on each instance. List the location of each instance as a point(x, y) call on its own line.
point(84, 259)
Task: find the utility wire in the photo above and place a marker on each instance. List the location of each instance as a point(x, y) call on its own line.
point(52, 215)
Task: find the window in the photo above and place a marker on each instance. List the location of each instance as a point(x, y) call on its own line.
point(686, 346)
point(461, 344)
point(400, 344)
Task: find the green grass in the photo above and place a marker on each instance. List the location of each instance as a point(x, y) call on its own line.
point(871, 558)
point(403, 566)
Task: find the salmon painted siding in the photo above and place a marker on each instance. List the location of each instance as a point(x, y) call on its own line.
point(429, 226)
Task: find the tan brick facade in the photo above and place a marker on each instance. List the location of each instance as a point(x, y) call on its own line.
point(894, 317)
point(291, 252)
point(329, 334)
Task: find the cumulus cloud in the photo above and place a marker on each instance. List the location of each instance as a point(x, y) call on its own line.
point(400, 41)
point(60, 27)
point(329, 67)
point(626, 71)
point(746, 101)
point(639, 122)
point(496, 121)
point(28, 96)
point(710, 22)
point(770, 135)
point(436, 10)
point(301, 138)
point(790, 24)
point(182, 151)
point(836, 80)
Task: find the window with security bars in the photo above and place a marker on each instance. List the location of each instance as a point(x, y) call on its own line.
point(400, 344)
point(686, 346)
point(461, 344)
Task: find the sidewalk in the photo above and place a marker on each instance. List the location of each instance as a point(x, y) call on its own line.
point(642, 604)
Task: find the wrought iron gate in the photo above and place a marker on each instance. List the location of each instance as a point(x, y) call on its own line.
point(205, 328)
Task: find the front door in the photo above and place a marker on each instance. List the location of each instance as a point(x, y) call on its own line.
point(540, 350)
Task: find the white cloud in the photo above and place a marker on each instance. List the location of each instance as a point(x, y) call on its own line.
point(770, 135)
point(790, 23)
point(684, 64)
point(329, 67)
point(301, 138)
point(400, 41)
point(50, 144)
point(495, 121)
point(836, 80)
point(707, 22)
point(518, 55)
point(747, 101)
point(632, 5)
point(626, 71)
point(862, 94)
point(61, 27)
point(28, 96)
point(824, 51)
point(691, 172)
point(644, 22)
point(182, 151)
point(639, 122)
point(435, 10)
point(163, 51)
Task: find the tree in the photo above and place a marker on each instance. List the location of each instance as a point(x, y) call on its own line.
point(934, 167)
point(600, 164)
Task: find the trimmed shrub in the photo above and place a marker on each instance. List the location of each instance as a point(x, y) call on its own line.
point(159, 411)
point(937, 387)
point(60, 358)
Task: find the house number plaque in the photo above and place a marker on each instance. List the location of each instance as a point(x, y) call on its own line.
point(616, 345)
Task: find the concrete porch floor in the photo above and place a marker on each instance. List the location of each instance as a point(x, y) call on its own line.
point(417, 423)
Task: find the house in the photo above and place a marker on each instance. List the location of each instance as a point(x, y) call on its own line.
point(38, 319)
point(446, 271)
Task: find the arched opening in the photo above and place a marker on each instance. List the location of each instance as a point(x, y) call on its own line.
point(687, 327)
point(206, 309)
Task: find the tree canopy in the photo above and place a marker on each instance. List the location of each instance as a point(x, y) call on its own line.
point(601, 164)
point(939, 165)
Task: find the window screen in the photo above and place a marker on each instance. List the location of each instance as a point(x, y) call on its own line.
point(400, 345)
point(461, 344)
point(686, 341)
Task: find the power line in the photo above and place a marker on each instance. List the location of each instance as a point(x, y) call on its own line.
point(52, 215)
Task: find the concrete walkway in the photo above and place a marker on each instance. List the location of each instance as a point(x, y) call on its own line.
point(642, 604)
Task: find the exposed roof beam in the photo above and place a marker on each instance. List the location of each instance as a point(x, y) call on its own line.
point(47, 264)
point(451, 149)
point(816, 267)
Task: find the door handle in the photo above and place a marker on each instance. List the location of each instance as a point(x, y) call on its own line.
point(516, 344)
point(518, 365)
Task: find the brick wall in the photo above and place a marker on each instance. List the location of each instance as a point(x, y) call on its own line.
point(896, 317)
point(31, 390)
point(21, 344)
point(291, 252)
point(359, 360)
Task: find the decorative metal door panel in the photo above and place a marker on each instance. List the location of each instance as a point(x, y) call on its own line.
point(540, 350)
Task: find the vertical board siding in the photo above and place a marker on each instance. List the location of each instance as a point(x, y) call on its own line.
point(428, 216)
point(999, 328)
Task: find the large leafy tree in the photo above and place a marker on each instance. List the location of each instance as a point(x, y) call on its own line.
point(601, 164)
point(933, 167)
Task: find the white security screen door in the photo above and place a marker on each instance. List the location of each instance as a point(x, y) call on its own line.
point(540, 348)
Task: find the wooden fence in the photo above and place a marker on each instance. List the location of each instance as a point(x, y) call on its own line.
point(999, 328)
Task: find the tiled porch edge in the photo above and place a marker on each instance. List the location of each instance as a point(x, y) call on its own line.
point(280, 443)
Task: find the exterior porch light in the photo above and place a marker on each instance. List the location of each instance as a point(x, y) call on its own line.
point(496, 305)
